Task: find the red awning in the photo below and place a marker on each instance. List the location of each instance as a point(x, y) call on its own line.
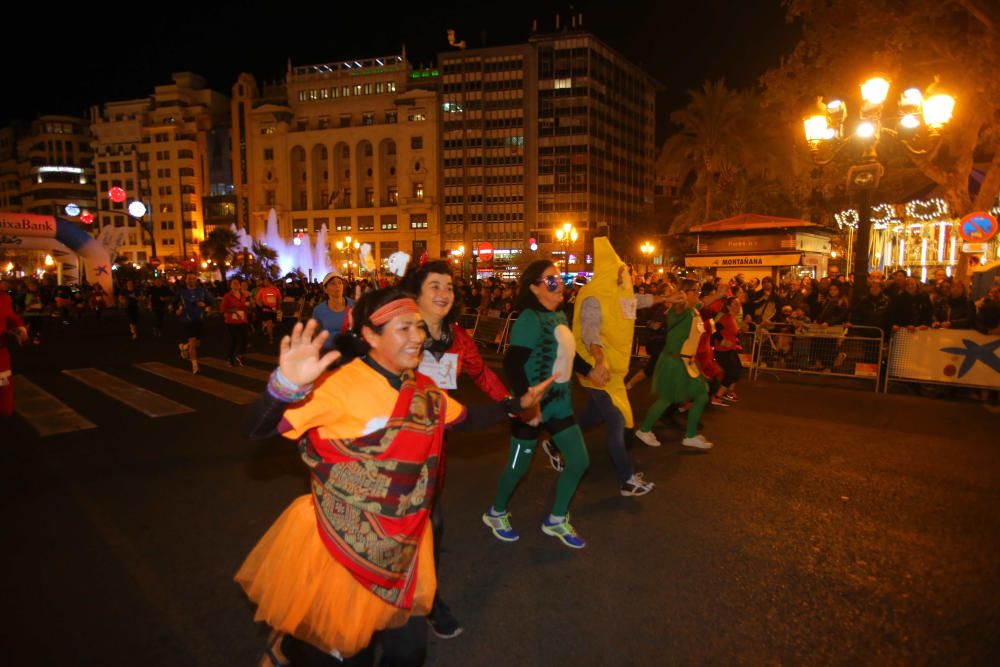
point(749, 222)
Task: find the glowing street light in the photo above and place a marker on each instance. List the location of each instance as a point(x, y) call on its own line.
point(568, 235)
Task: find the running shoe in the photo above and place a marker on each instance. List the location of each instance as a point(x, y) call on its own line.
point(443, 623)
point(565, 532)
point(637, 486)
point(184, 350)
point(731, 396)
point(684, 407)
point(718, 401)
point(239, 361)
point(194, 367)
point(647, 437)
point(500, 525)
point(698, 442)
point(555, 458)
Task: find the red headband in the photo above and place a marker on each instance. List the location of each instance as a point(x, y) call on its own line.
point(403, 306)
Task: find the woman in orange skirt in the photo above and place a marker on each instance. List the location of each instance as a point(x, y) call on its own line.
point(352, 562)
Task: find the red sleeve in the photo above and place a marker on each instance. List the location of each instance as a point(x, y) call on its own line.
point(8, 318)
point(472, 364)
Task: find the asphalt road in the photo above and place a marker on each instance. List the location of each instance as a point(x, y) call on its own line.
point(828, 526)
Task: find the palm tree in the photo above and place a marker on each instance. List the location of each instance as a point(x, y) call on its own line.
point(218, 246)
point(265, 257)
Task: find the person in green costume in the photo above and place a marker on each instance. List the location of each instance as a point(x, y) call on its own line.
point(541, 345)
point(677, 377)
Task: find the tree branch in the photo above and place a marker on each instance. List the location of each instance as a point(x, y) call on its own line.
point(977, 14)
point(988, 191)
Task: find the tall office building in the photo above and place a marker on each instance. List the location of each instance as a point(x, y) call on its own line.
point(162, 149)
point(558, 130)
point(350, 145)
point(46, 165)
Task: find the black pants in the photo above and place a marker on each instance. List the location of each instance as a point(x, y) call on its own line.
point(158, 314)
point(237, 341)
point(729, 360)
point(405, 646)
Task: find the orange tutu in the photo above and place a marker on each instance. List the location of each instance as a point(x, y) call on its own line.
point(299, 588)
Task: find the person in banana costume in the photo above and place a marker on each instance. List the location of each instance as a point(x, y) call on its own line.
point(604, 326)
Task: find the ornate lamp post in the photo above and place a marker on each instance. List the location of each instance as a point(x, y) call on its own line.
point(917, 125)
point(346, 246)
point(647, 249)
point(567, 235)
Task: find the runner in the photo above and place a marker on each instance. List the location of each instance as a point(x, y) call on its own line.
point(448, 351)
point(160, 297)
point(603, 325)
point(269, 300)
point(191, 301)
point(677, 378)
point(130, 295)
point(541, 344)
point(352, 563)
point(234, 312)
point(332, 313)
point(12, 329)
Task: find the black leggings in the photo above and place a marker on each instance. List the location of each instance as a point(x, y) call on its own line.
point(729, 360)
point(405, 646)
point(237, 341)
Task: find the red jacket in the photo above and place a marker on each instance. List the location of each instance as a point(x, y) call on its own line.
point(234, 308)
point(8, 320)
point(471, 363)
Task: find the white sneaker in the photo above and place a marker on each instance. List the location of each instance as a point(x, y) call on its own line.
point(184, 350)
point(637, 486)
point(647, 437)
point(698, 442)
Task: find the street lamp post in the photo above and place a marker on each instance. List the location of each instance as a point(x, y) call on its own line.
point(137, 210)
point(345, 247)
point(919, 119)
point(568, 235)
point(647, 249)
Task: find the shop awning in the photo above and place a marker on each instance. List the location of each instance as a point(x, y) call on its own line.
point(783, 259)
point(749, 222)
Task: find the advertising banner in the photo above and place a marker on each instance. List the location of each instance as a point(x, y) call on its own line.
point(961, 357)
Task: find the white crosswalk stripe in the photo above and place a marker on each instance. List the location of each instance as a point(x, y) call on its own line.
point(201, 383)
point(147, 402)
point(44, 412)
point(245, 371)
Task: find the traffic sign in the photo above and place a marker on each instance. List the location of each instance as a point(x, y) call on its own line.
point(978, 227)
point(154, 262)
point(485, 251)
point(974, 248)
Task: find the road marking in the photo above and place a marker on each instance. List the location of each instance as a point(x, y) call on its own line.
point(147, 402)
point(255, 373)
point(266, 358)
point(46, 413)
point(992, 408)
point(218, 389)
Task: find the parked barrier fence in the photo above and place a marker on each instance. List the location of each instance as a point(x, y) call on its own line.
point(954, 357)
point(493, 331)
point(841, 351)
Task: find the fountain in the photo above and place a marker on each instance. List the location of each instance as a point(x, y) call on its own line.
point(311, 261)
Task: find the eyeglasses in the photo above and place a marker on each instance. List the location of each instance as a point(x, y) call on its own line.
point(552, 283)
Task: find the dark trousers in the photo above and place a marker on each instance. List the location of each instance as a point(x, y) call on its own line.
point(729, 360)
point(158, 314)
point(600, 409)
point(405, 646)
point(237, 341)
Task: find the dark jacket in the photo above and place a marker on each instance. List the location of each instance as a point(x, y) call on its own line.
point(910, 310)
point(961, 312)
point(871, 311)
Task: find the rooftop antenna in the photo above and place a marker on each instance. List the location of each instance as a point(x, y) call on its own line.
point(534, 25)
point(557, 22)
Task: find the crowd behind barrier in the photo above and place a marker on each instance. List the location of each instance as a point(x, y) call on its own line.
point(805, 326)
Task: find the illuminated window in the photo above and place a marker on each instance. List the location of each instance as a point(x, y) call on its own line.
point(388, 223)
point(390, 86)
point(418, 221)
point(390, 117)
point(562, 83)
point(417, 116)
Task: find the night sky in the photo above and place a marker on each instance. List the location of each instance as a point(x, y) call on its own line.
point(114, 51)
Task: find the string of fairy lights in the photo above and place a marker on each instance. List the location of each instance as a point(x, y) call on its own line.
point(919, 235)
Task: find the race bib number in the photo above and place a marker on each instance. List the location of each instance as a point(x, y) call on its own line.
point(443, 371)
point(628, 305)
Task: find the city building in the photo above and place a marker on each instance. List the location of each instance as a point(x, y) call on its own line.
point(351, 145)
point(558, 130)
point(170, 151)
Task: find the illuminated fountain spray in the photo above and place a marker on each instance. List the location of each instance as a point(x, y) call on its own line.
point(294, 255)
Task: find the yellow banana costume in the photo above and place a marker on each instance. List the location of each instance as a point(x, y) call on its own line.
point(618, 305)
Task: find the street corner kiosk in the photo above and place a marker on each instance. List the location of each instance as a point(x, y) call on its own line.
point(761, 245)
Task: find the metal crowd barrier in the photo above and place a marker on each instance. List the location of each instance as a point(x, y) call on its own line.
point(843, 351)
point(491, 331)
point(468, 320)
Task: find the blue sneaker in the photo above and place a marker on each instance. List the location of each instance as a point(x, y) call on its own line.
point(500, 525)
point(565, 532)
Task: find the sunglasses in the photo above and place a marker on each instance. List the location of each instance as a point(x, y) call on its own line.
point(552, 283)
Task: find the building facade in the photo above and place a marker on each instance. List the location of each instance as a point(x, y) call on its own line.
point(162, 150)
point(558, 130)
point(351, 145)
